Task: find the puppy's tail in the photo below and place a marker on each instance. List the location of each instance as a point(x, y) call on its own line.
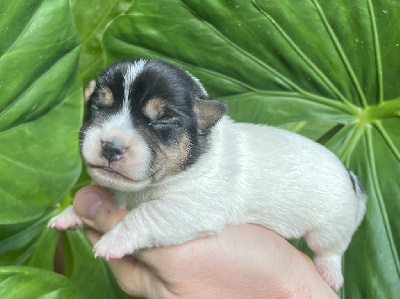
point(361, 195)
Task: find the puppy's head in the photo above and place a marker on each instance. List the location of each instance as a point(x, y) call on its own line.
point(145, 120)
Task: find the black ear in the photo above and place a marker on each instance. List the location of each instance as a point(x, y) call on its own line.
point(208, 113)
point(89, 89)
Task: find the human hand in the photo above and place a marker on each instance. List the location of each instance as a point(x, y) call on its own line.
point(246, 261)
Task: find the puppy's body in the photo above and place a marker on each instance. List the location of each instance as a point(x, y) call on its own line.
point(186, 171)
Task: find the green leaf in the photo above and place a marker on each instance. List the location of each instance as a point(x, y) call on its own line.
point(326, 65)
point(89, 274)
point(40, 107)
point(30, 243)
point(92, 17)
point(40, 116)
point(27, 282)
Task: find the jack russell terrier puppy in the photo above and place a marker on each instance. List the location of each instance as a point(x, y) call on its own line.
point(154, 136)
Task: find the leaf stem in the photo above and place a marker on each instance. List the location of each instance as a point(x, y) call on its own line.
point(384, 110)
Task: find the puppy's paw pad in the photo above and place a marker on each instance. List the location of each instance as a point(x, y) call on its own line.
point(115, 244)
point(66, 220)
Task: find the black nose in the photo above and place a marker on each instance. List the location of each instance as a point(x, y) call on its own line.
point(112, 151)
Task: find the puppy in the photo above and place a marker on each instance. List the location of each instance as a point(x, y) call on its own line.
point(153, 135)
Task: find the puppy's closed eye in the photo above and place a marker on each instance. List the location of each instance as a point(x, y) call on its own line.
point(167, 119)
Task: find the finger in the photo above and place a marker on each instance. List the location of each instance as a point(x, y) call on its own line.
point(95, 206)
point(132, 275)
point(136, 279)
point(228, 245)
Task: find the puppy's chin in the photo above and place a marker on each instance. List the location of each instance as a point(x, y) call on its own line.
point(117, 181)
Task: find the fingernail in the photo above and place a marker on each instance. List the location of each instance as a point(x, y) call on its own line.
point(88, 204)
point(94, 209)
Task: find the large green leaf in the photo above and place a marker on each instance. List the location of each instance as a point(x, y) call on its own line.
point(28, 282)
point(40, 107)
point(330, 65)
point(29, 243)
point(325, 69)
point(92, 17)
point(90, 275)
point(40, 115)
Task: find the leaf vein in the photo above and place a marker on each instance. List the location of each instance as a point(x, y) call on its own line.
point(13, 102)
point(388, 140)
point(23, 31)
point(302, 55)
point(380, 202)
point(377, 51)
point(341, 52)
point(99, 24)
point(259, 62)
point(189, 65)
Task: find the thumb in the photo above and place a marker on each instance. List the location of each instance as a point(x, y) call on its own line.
point(95, 206)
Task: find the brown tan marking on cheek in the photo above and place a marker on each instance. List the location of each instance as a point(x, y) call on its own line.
point(154, 108)
point(172, 159)
point(106, 97)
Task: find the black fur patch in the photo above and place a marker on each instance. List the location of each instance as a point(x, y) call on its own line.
point(355, 183)
point(178, 92)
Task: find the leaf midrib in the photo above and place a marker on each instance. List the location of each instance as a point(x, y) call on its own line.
point(35, 13)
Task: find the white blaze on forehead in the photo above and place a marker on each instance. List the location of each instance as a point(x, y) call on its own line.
point(119, 121)
point(130, 76)
point(122, 120)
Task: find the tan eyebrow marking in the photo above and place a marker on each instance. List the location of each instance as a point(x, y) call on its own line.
point(154, 108)
point(105, 96)
point(90, 89)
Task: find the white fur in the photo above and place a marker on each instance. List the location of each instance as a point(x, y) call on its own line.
point(250, 174)
point(130, 76)
point(204, 91)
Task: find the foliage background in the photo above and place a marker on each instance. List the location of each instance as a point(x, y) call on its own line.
point(326, 69)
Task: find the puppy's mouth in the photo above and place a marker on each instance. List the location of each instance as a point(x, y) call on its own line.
point(113, 172)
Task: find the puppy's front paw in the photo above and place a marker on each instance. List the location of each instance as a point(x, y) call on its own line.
point(66, 220)
point(333, 279)
point(115, 244)
point(330, 270)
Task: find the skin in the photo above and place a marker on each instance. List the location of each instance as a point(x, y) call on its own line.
point(242, 262)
